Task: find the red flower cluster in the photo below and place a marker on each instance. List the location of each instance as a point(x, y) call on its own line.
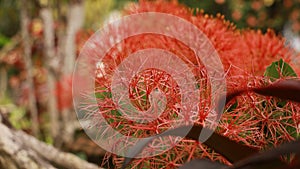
point(251, 119)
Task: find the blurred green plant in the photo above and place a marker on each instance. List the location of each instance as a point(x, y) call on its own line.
point(9, 17)
point(96, 12)
point(16, 114)
point(18, 118)
point(3, 40)
point(81, 155)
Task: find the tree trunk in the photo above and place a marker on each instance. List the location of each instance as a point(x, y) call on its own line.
point(21, 151)
point(3, 81)
point(74, 23)
point(27, 44)
point(75, 20)
point(49, 35)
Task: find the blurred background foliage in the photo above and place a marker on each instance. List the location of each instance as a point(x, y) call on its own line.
point(9, 17)
point(97, 10)
point(259, 14)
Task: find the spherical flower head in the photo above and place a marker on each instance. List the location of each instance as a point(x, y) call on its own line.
point(245, 56)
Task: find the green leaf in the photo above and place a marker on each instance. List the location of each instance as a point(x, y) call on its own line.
point(279, 69)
